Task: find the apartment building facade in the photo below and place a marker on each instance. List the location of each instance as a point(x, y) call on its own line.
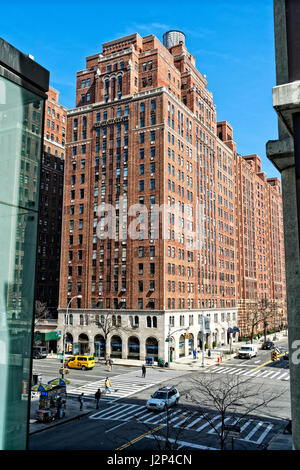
point(50, 220)
point(149, 208)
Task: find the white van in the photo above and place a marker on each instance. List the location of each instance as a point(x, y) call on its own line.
point(39, 352)
point(248, 351)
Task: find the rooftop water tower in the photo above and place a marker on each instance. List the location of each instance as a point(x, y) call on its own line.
point(173, 38)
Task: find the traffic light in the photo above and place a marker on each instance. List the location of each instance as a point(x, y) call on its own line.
point(275, 355)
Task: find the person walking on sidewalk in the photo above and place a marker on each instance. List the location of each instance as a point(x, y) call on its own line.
point(81, 399)
point(97, 398)
point(110, 364)
point(143, 370)
point(107, 385)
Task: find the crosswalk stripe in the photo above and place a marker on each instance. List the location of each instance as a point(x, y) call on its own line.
point(138, 413)
point(212, 370)
point(165, 414)
point(247, 438)
point(145, 416)
point(179, 425)
point(207, 423)
point(246, 425)
point(223, 370)
point(193, 422)
point(234, 371)
point(127, 412)
point(286, 374)
point(275, 375)
point(121, 413)
point(112, 410)
point(213, 430)
point(263, 435)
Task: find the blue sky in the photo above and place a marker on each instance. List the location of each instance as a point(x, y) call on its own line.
point(232, 41)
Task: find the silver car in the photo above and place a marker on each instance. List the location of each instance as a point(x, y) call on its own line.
point(163, 398)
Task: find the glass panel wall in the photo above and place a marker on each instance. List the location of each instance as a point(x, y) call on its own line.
point(20, 154)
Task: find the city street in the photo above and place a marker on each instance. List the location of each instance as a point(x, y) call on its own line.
point(123, 420)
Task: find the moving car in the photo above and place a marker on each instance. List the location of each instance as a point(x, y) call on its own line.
point(39, 352)
point(81, 362)
point(246, 352)
point(268, 345)
point(163, 398)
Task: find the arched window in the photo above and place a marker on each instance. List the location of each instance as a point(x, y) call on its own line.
point(96, 319)
point(136, 320)
point(71, 319)
point(81, 320)
point(130, 319)
point(119, 320)
point(148, 322)
point(154, 322)
point(113, 320)
point(102, 320)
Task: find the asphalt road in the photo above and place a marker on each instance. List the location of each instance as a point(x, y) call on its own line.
point(127, 424)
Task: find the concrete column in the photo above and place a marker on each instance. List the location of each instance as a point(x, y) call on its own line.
point(124, 347)
point(108, 348)
point(186, 346)
point(142, 349)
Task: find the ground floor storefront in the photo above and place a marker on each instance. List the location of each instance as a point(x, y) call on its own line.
point(167, 335)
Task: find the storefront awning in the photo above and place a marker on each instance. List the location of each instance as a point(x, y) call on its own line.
point(52, 335)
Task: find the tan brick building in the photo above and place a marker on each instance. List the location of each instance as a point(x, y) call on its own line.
point(147, 160)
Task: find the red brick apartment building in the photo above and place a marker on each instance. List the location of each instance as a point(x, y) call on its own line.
point(145, 150)
point(50, 215)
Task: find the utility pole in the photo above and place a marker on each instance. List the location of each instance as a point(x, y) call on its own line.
point(285, 155)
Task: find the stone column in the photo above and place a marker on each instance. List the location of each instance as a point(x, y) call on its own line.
point(285, 155)
point(124, 347)
point(142, 349)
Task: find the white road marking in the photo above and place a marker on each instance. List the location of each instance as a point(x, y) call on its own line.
point(263, 435)
point(247, 438)
point(207, 423)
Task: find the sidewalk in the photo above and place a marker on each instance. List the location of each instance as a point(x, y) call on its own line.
point(189, 364)
point(72, 412)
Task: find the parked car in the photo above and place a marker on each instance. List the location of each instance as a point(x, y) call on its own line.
point(163, 398)
point(246, 352)
point(39, 352)
point(268, 345)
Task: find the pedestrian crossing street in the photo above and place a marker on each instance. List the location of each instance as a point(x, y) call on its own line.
point(126, 385)
point(251, 430)
point(261, 373)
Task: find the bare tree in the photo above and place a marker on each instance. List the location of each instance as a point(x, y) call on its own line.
point(167, 435)
point(41, 311)
point(108, 324)
point(260, 313)
point(232, 397)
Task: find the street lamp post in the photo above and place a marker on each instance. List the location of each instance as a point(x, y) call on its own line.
point(64, 333)
point(203, 334)
point(169, 337)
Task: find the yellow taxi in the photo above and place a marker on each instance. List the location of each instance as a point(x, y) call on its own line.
point(81, 362)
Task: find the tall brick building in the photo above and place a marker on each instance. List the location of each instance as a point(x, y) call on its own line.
point(145, 151)
point(50, 213)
